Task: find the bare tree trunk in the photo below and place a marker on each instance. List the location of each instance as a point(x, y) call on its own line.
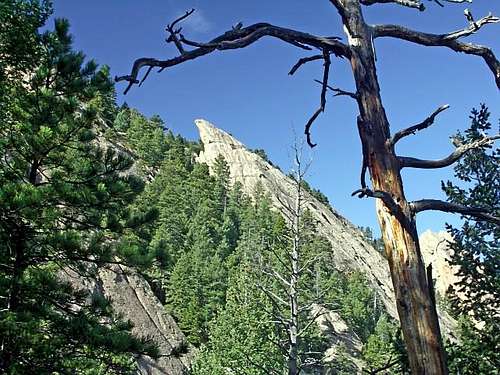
point(418, 317)
point(294, 278)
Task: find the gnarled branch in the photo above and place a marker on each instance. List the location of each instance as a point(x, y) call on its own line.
point(421, 126)
point(234, 39)
point(322, 104)
point(407, 162)
point(437, 205)
point(174, 32)
point(449, 40)
point(303, 61)
point(339, 92)
point(407, 3)
point(382, 195)
point(440, 2)
point(392, 205)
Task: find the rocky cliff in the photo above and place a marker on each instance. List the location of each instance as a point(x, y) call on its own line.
point(133, 299)
point(350, 248)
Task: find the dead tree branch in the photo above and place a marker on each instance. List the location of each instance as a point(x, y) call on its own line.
point(240, 38)
point(389, 364)
point(303, 61)
point(339, 92)
point(416, 4)
point(382, 195)
point(421, 126)
point(322, 105)
point(407, 162)
point(234, 39)
point(277, 300)
point(174, 32)
point(437, 205)
point(449, 40)
point(312, 320)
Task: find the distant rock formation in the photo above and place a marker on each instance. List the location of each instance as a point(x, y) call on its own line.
point(436, 251)
point(349, 246)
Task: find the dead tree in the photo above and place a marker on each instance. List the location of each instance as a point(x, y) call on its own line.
point(292, 300)
point(396, 215)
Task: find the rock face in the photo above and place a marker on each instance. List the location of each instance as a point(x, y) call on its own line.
point(436, 251)
point(349, 247)
point(344, 342)
point(132, 297)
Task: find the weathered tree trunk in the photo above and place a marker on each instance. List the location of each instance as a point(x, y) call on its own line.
point(294, 279)
point(418, 317)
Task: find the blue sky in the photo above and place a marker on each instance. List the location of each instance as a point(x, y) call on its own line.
point(249, 93)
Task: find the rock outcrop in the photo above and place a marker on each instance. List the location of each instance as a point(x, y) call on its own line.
point(349, 247)
point(132, 298)
point(436, 251)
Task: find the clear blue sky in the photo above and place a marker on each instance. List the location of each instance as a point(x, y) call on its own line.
point(249, 94)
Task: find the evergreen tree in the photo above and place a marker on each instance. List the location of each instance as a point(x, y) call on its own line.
point(241, 338)
point(198, 281)
point(358, 304)
point(145, 137)
point(63, 199)
point(476, 253)
point(384, 350)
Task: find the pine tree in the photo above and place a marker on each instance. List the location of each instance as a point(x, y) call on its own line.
point(384, 349)
point(241, 338)
point(476, 253)
point(198, 283)
point(63, 199)
point(145, 137)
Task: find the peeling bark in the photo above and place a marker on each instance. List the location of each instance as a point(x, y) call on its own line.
point(418, 316)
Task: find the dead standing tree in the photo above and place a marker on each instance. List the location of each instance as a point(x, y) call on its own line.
point(294, 291)
point(396, 215)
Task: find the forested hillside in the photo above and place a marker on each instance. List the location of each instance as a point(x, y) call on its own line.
point(88, 185)
point(210, 257)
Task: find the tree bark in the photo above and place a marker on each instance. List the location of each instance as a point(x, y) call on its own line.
point(17, 269)
point(417, 314)
point(294, 279)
